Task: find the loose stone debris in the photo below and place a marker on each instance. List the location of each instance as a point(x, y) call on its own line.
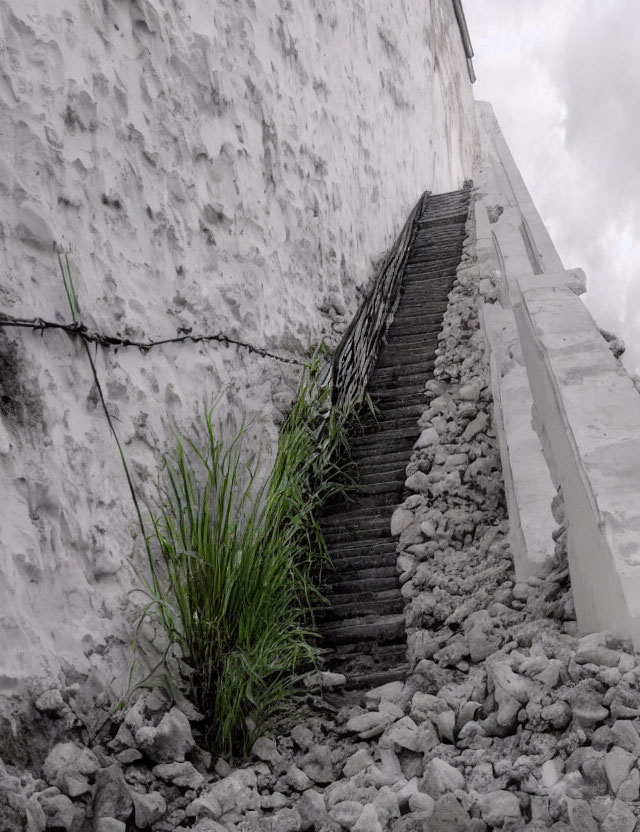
point(507, 719)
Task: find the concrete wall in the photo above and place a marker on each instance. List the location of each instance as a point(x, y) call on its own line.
point(219, 165)
point(569, 414)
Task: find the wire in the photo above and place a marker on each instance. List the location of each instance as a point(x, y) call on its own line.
point(91, 337)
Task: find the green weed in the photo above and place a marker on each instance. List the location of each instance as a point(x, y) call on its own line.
point(239, 556)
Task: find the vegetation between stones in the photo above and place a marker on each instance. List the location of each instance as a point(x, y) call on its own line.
point(235, 557)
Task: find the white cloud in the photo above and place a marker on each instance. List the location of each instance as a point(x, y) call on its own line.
point(563, 77)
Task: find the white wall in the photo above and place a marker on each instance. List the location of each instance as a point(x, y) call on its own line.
point(218, 164)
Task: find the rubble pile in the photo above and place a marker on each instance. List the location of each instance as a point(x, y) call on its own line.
point(507, 720)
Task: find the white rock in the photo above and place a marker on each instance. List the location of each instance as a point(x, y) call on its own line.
point(368, 725)
point(356, 762)
point(59, 810)
point(346, 813)
point(237, 791)
point(515, 685)
point(498, 807)
point(630, 789)
point(440, 777)
point(403, 734)
point(184, 775)
point(617, 765)
point(474, 427)
point(150, 807)
point(368, 820)
point(205, 806)
point(418, 482)
point(275, 800)
point(625, 734)
point(592, 649)
point(420, 802)
point(619, 819)
point(428, 529)
point(50, 702)
point(390, 763)
point(325, 679)
point(312, 810)
point(286, 820)
point(67, 766)
point(386, 805)
point(169, 741)
point(626, 663)
point(265, 749)
point(109, 825)
point(428, 437)
point(317, 764)
point(550, 676)
point(551, 772)
point(445, 724)
point(297, 779)
point(427, 704)
point(401, 519)
point(391, 692)
point(470, 392)
point(391, 710)
point(302, 736)
point(580, 815)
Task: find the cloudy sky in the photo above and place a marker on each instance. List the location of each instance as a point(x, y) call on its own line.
point(564, 79)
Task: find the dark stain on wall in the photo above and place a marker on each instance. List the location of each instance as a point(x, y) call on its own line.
point(20, 403)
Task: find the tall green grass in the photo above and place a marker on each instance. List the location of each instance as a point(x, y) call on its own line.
point(239, 550)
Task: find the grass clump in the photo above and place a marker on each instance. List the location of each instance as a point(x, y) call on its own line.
point(234, 584)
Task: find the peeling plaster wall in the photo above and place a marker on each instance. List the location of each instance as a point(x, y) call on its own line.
point(219, 165)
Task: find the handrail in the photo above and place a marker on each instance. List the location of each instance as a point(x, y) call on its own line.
point(358, 350)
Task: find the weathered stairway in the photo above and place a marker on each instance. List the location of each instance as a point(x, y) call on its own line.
point(364, 625)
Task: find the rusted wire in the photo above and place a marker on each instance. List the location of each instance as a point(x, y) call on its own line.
point(80, 330)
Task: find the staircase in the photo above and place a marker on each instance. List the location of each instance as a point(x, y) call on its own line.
point(363, 627)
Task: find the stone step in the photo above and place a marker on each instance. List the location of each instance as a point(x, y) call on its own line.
point(394, 477)
point(428, 316)
point(414, 334)
point(407, 383)
point(455, 220)
point(364, 595)
point(408, 356)
point(363, 628)
point(348, 587)
point(363, 516)
point(360, 609)
point(382, 629)
point(390, 411)
point(386, 423)
point(355, 576)
point(368, 534)
point(391, 456)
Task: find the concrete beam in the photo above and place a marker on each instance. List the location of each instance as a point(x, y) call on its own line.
point(589, 423)
point(528, 486)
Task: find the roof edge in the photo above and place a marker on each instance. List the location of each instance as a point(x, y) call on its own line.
point(464, 34)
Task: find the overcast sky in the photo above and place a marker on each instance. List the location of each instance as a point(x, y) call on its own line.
point(564, 80)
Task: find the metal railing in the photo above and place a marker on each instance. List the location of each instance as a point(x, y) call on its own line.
point(353, 360)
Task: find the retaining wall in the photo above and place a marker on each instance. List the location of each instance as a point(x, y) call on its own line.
point(568, 414)
point(212, 166)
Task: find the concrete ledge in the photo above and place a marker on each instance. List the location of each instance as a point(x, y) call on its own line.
point(589, 424)
point(528, 486)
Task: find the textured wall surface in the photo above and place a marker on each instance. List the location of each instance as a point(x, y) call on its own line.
point(223, 165)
